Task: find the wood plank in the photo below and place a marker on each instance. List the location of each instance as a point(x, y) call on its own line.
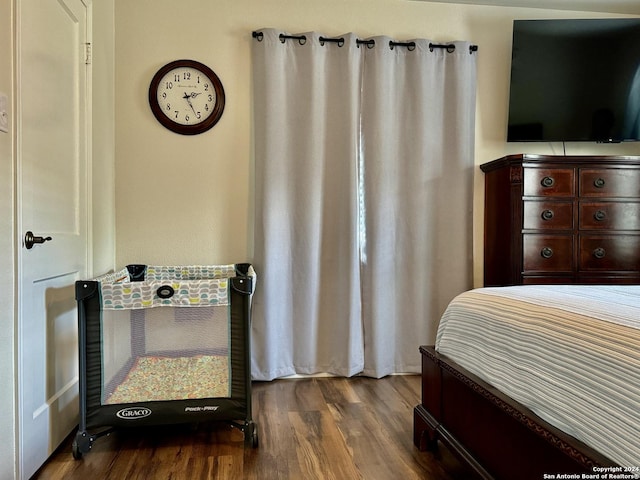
point(311, 428)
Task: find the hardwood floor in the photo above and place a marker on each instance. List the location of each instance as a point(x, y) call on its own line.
point(312, 428)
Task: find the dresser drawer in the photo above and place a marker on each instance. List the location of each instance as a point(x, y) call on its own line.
point(547, 215)
point(545, 182)
point(609, 182)
point(547, 253)
point(609, 216)
point(609, 253)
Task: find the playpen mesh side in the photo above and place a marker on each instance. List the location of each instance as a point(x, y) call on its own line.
point(158, 348)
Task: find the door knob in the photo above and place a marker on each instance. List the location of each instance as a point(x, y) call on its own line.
point(30, 240)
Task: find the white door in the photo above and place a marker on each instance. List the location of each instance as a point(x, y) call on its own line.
point(52, 203)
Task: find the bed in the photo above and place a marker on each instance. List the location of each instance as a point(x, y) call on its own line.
point(536, 380)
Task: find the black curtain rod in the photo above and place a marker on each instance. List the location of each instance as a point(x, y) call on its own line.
point(302, 39)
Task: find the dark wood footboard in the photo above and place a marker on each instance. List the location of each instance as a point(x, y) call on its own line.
point(495, 435)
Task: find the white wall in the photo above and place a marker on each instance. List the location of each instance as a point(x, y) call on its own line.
point(187, 199)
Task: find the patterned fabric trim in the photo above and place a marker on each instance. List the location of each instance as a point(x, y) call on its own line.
point(177, 286)
point(186, 293)
point(114, 277)
point(189, 272)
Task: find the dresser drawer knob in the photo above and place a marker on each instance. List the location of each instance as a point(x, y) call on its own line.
point(547, 182)
point(599, 252)
point(598, 182)
point(547, 214)
point(600, 215)
point(546, 252)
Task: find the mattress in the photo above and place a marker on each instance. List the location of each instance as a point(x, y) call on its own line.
point(158, 378)
point(571, 354)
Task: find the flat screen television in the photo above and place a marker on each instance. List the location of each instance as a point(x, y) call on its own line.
point(575, 80)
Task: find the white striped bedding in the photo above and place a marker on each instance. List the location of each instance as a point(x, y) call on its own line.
point(569, 353)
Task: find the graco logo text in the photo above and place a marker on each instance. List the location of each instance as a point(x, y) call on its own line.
point(133, 413)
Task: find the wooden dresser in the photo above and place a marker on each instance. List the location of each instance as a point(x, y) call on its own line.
point(562, 219)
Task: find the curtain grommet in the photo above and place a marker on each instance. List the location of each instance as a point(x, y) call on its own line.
point(369, 43)
point(338, 41)
point(302, 39)
point(411, 46)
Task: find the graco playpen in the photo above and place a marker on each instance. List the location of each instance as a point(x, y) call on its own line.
point(162, 344)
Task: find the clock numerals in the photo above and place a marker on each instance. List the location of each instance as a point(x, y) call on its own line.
point(186, 119)
point(185, 95)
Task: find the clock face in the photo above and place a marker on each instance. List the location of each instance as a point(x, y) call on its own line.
point(186, 97)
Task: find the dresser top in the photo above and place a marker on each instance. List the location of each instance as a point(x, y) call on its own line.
point(527, 159)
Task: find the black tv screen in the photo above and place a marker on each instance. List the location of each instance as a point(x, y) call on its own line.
point(575, 80)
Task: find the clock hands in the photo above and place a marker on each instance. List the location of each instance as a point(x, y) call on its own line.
point(188, 97)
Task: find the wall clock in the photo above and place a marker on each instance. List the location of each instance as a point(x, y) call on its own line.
point(186, 97)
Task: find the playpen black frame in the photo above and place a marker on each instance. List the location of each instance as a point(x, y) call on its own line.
point(236, 409)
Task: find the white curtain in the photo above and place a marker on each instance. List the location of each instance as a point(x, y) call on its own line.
point(417, 163)
point(306, 314)
point(363, 196)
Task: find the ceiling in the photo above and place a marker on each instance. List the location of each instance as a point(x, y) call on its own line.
point(631, 7)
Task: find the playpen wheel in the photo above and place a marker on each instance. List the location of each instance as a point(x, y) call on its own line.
point(75, 450)
point(251, 435)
